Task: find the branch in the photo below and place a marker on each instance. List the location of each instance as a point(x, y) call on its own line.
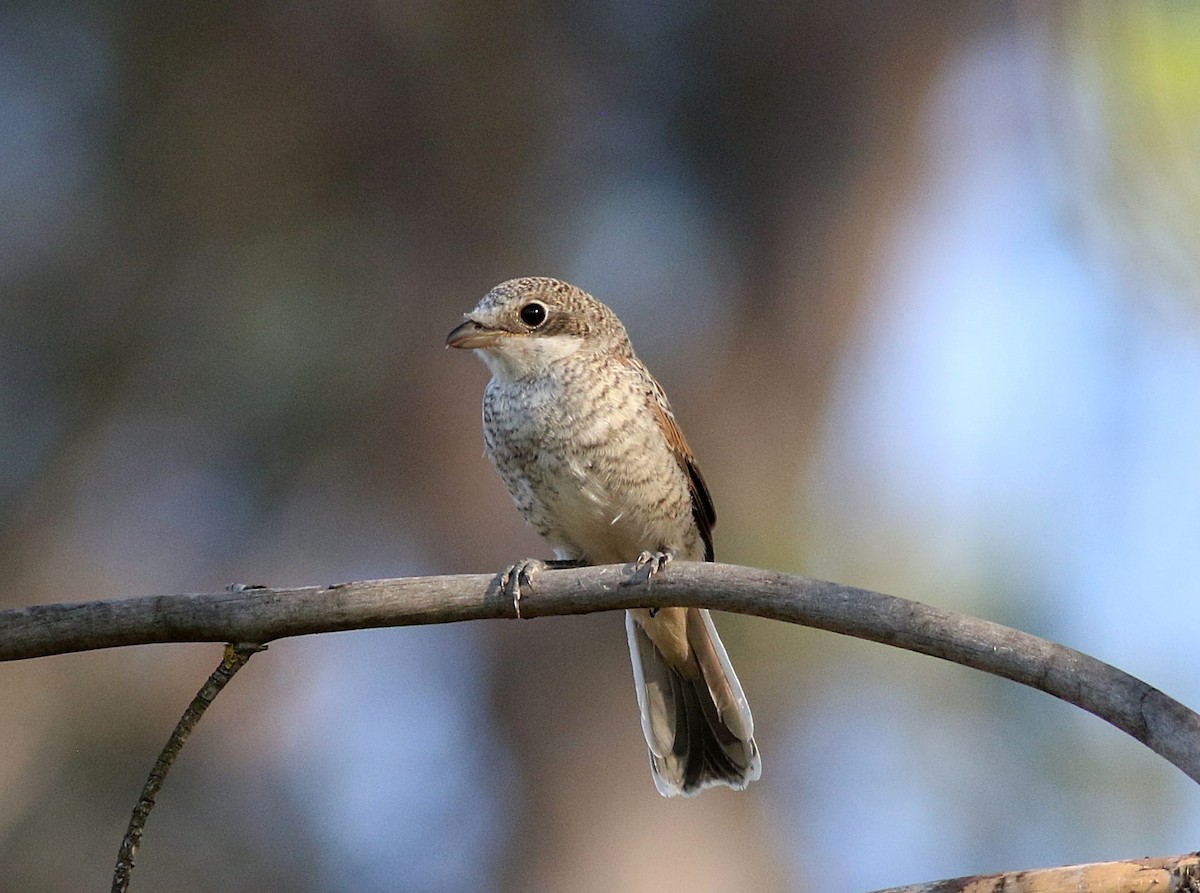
point(263, 615)
point(234, 659)
point(1167, 874)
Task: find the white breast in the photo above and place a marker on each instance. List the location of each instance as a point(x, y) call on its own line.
point(599, 482)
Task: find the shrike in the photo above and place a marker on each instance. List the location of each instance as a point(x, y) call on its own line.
point(587, 444)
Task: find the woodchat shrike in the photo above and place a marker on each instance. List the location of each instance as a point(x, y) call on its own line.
point(587, 444)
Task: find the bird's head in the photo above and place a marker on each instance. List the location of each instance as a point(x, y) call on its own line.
point(524, 326)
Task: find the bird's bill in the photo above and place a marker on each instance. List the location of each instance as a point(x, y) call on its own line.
point(469, 335)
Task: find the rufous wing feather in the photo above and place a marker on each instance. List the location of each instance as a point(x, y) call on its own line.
point(702, 506)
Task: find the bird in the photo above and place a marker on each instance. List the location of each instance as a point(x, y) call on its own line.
point(590, 451)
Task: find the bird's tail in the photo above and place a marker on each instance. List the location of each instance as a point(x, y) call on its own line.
point(695, 717)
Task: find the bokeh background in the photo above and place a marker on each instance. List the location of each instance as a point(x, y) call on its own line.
point(920, 278)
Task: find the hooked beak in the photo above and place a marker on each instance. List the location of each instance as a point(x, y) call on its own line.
point(469, 335)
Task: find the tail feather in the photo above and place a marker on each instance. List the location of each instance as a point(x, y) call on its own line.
point(695, 717)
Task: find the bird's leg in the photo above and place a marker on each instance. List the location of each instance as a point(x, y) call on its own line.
point(521, 574)
point(653, 563)
point(518, 575)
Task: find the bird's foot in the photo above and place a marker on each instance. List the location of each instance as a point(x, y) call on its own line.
point(520, 576)
point(653, 564)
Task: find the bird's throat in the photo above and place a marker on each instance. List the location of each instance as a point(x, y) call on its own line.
point(524, 356)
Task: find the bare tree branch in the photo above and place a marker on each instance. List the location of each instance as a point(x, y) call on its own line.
point(262, 615)
point(1166, 874)
point(234, 659)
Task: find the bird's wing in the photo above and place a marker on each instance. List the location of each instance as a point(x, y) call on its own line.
point(702, 506)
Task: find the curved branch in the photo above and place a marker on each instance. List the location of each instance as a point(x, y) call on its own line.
point(263, 615)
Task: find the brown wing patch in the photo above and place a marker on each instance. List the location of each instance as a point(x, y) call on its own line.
point(703, 511)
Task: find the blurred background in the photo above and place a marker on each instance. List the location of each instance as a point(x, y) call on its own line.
point(920, 278)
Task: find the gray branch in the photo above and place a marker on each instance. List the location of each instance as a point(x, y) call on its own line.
point(234, 659)
point(1163, 874)
point(263, 615)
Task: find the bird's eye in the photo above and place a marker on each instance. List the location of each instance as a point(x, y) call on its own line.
point(533, 314)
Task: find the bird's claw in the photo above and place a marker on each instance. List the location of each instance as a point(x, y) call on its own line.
point(653, 564)
point(518, 576)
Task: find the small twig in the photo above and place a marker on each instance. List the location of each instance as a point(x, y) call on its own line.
point(234, 659)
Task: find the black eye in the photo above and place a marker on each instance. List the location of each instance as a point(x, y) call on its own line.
point(533, 314)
